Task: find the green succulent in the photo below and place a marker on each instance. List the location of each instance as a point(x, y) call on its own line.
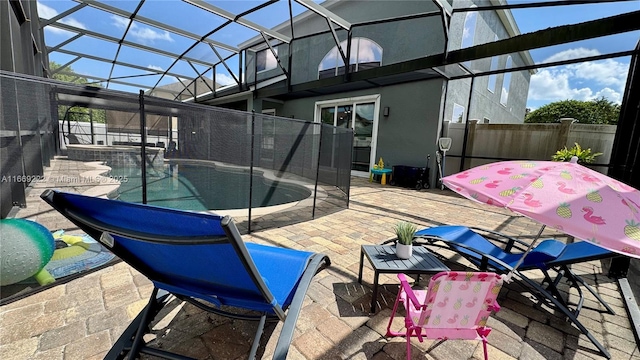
point(585, 156)
point(405, 232)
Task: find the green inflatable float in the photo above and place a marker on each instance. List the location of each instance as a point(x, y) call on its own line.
point(25, 248)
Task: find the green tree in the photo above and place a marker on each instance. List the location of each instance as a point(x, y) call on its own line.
point(76, 113)
point(599, 111)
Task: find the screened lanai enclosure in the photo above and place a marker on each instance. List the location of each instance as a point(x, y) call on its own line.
point(278, 57)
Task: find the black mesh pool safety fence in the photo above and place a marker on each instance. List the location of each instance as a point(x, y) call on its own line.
point(27, 137)
point(264, 171)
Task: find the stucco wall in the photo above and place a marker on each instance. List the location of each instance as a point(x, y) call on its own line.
point(485, 103)
point(400, 40)
point(408, 134)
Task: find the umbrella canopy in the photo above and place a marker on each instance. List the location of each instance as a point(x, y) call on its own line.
point(563, 195)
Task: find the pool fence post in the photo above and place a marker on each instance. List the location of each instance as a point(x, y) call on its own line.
point(143, 147)
point(253, 136)
point(315, 189)
point(93, 134)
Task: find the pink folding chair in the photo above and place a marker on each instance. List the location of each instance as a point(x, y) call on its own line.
point(456, 306)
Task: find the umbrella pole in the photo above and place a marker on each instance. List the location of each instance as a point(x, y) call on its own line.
point(508, 277)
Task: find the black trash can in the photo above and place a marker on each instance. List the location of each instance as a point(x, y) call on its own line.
point(406, 176)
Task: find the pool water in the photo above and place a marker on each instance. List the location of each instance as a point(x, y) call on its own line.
point(200, 188)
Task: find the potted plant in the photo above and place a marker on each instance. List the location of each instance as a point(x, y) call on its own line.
point(405, 232)
point(585, 156)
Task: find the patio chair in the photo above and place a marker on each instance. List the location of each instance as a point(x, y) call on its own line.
point(200, 258)
point(549, 254)
point(455, 306)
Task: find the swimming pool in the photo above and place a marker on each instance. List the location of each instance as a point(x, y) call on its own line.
point(203, 187)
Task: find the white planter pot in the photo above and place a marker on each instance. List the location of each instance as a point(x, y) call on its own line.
point(404, 251)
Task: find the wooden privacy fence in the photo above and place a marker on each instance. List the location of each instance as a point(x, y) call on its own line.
point(490, 142)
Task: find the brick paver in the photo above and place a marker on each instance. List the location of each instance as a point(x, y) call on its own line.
point(83, 318)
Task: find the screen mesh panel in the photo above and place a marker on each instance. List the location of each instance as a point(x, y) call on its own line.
point(264, 171)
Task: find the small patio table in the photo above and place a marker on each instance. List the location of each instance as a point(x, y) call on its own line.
point(383, 259)
point(383, 172)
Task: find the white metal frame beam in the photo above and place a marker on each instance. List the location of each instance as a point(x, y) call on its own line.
point(61, 15)
point(229, 16)
point(325, 13)
point(117, 82)
point(125, 14)
point(125, 42)
point(133, 66)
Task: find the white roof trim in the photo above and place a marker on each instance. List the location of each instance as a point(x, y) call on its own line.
point(298, 18)
point(322, 11)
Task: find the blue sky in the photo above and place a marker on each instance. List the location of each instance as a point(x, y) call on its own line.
point(583, 81)
point(170, 12)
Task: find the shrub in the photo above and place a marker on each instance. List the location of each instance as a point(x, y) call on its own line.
point(585, 156)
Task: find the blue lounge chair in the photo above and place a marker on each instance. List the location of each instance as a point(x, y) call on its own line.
point(196, 257)
point(548, 255)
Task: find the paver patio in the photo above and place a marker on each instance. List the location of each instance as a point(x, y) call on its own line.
point(81, 319)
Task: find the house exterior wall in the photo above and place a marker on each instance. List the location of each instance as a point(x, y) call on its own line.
point(18, 41)
point(411, 130)
point(485, 103)
point(400, 40)
point(408, 134)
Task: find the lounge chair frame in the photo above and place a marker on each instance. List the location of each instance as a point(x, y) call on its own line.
point(561, 269)
point(549, 294)
point(131, 342)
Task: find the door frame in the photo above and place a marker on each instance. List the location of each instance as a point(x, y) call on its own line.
point(353, 101)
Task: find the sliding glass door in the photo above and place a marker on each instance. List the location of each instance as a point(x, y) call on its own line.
point(360, 115)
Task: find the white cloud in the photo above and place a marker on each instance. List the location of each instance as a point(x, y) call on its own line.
point(553, 85)
point(47, 12)
point(609, 94)
point(368, 51)
point(224, 79)
point(606, 72)
point(119, 21)
point(572, 54)
point(142, 34)
point(73, 22)
point(155, 67)
point(146, 34)
point(54, 30)
point(582, 81)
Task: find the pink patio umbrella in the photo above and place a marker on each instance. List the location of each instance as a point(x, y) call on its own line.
point(563, 195)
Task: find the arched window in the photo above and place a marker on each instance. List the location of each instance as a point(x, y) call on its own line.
point(491, 86)
point(469, 30)
point(506, 83)
point(365, 54)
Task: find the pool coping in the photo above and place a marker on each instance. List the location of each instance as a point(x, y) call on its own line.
point(108, 185)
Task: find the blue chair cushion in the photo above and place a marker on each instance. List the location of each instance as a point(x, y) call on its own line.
point(546, 254)
point(545, 251)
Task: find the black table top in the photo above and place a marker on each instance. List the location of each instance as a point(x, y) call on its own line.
point(383, 258)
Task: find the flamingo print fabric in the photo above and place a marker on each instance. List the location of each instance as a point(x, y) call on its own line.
point(565, 196)
point(459, 300)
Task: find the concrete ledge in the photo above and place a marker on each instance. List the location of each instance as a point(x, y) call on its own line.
point(115, 155)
